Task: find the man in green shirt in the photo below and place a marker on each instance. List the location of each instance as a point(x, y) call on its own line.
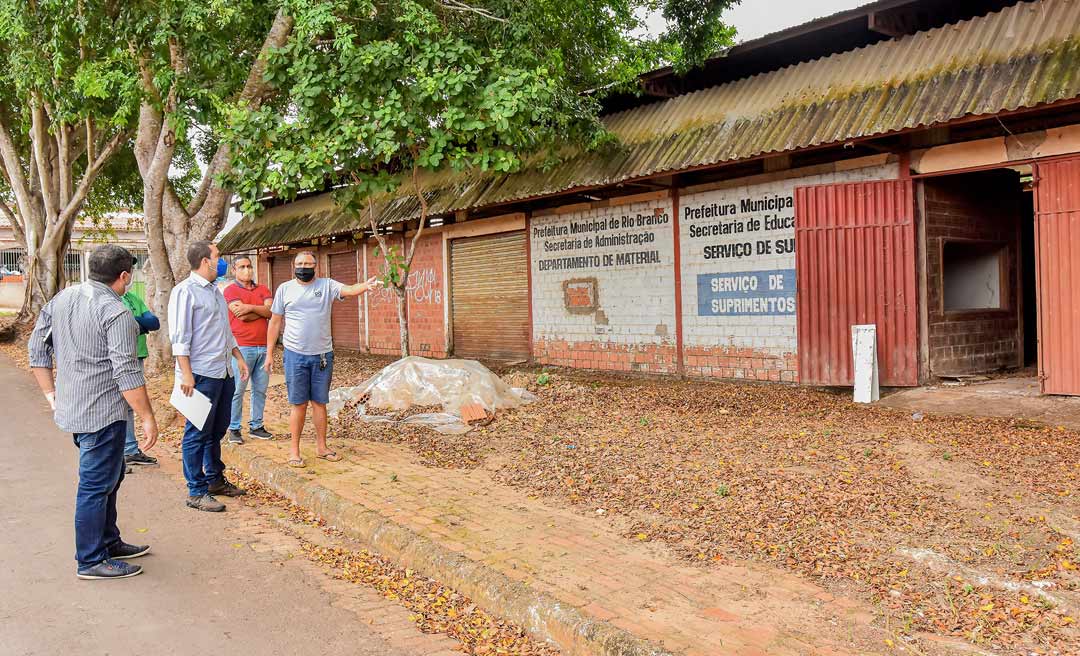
point(148, 323)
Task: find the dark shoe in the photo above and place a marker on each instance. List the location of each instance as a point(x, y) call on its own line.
point(140, 459)
point(206, 503)
point(225, 489)
point(125, 551)
point(260, 433)
point(110, 569)
point(234, 436)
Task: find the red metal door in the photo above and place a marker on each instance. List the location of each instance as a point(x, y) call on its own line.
point(1057, 232)
point(345, 320)
point(855, 264)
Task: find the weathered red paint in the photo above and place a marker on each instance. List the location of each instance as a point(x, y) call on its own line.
point(855, 263)
point(680, 357)
point(345, 319)
point(1057, 232)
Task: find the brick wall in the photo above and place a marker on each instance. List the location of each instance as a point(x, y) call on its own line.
point(426, 303)
point(980, 206)
point(624, 257)
point(738, 272)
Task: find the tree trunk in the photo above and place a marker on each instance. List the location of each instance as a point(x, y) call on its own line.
point(47, 197)
point(170, 225)
point(403, 317)
point(44, 276)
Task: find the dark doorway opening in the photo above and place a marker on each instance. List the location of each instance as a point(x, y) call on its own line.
point(980, 305)
point(1027, 277)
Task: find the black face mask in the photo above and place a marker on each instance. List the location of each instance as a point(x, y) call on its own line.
point(304, 274)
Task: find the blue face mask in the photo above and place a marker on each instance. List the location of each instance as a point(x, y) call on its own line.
point(222, 267)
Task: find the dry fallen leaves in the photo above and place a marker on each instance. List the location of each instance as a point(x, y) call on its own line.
point(800, 478)
point(435, 607)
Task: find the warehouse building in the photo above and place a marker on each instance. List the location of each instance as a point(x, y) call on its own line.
point(911, 164)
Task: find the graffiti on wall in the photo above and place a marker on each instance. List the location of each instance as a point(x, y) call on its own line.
point(422, 286)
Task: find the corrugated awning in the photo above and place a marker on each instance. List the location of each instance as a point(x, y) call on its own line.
point(1023, 56)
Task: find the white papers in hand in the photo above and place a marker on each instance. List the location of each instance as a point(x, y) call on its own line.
point(195, 407)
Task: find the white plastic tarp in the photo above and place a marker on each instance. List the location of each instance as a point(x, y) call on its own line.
point(416, 381)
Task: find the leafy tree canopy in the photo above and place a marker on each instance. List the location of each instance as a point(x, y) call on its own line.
point(369, 93)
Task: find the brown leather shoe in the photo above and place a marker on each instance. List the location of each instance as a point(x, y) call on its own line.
point(205, 503)
point(225, 489)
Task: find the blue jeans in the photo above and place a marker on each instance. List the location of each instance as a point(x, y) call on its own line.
point(101, 470)
point(255, 357)
point(304, 378)
point(201, 449)
point(131, 445)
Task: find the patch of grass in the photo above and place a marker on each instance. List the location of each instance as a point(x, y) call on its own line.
point(946, 456)
point(543, 379)
point(723, 490)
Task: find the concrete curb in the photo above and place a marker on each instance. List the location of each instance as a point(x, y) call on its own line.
point(546, 618)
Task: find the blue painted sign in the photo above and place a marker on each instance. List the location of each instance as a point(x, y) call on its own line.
point(746, 293)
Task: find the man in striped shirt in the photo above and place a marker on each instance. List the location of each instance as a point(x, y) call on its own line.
point(88, 334)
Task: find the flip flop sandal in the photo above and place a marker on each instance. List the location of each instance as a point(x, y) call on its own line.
point(330, 456)
point(296, 462)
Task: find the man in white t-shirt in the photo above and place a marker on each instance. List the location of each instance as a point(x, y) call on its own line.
point(304, 304)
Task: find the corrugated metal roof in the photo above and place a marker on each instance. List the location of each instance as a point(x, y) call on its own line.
point(1022, 56)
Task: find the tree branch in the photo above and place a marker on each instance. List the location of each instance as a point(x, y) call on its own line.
point(64, 164)
point(74, 207)
point(454, 5)
point(375, 226)
point(91, 137)
point(199, 199)
point(13, 169)
point(38, 140)
point(423, 216)
point(14, 221)
point(211, 204)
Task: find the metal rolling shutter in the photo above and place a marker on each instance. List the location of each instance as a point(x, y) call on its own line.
point(489, 283)
point(281, 270)
point(345, 320)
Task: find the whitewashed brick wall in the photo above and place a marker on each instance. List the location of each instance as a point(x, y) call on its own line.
point(636, 301)
point(768, 328)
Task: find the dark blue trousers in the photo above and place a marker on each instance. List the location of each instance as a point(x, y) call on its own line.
point(202, 448)
point(101, 470)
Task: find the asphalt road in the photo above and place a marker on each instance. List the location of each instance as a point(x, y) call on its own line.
point(214, 583)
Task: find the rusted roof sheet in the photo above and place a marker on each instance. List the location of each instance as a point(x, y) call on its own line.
point(1023, 56)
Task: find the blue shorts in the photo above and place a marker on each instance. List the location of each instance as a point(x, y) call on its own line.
point(305, 380)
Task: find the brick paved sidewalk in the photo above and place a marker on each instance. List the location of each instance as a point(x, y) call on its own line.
point(584, 561)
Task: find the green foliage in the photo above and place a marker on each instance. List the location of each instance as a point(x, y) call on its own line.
point(65, 54)
point(216, 41)
point(370, 92)
point(543, 379)
point(396, 272)
point(696, 31)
